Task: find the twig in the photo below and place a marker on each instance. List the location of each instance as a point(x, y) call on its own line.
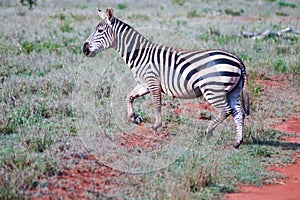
point(268, 33)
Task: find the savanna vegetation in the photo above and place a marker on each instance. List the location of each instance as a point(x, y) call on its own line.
point(57, 106)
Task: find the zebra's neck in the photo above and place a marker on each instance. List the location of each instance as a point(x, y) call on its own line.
point(130, 44)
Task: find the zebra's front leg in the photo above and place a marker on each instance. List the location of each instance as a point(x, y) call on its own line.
point(155, 91)
point(158, 121)
point(138, 91)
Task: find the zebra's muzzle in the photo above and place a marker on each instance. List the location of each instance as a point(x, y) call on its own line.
point(86, 49)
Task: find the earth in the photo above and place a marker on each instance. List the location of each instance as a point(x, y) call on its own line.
point(87, 176)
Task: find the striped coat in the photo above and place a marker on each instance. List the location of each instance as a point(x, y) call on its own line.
point(218, 75)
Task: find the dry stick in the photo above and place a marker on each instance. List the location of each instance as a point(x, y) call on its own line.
point(268, 33)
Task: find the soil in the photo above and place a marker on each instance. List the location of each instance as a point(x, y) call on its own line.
point(289, 188)
point(144, 139)
point(200, 111)
point(86, 176)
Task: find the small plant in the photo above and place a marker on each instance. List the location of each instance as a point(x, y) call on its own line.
point(29, 47)
point(286, 4)
point(296, 68)
point(29, 3)
point(225, 39)
point(280, 66)
point(206, 115)
point(62, 16)
point(229, 11)
point(38, 144)
point(6, 126)
point(178, 2)
point(192, 14)
point(142, 114)
point(66, 27)
point(171, 118)
point(204, 37)
point(121, 6)
point(255, 88)
point(36, 46)
point(261, 151)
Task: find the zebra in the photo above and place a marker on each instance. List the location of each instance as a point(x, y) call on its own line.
point(217, 75)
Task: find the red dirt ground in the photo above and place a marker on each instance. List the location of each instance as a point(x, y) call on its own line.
point(289, 188)
point(85, 177)
point(143, 139)
point(192, 110)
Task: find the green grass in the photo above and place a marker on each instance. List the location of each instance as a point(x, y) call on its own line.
point(193, 14)
point(178, 2)
point(280, 66)
point(66, 27)
point(51, 94)
point(286, 4)
point(229, 11)
point(121, 6)
point(28, 47)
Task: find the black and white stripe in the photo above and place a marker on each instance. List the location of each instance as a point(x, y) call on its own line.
point(218, 75)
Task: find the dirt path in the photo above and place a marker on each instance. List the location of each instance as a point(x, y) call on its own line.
point(289, 188)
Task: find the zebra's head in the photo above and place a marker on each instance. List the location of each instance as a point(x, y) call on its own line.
point(102, 36)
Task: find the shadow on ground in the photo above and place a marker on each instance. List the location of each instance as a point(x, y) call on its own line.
point(276, 143)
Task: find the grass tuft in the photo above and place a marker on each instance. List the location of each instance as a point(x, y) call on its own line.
point(178, 2)
point(280, 66)
point(66, 28)
point(286, 4)
point(121, 6)
point(229, 11)
point(193, 14)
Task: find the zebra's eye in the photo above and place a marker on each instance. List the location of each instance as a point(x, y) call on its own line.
point(100, 30)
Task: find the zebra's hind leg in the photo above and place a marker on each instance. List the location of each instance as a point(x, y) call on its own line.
point(223, 109)
point(138, 91)
point(237, 113)
point(238, 116)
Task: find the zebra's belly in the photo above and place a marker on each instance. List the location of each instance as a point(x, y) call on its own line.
point(182, 93)
point(222, 84)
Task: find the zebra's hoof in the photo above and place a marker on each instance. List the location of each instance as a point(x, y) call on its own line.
point(208, 134)
point(155, 127)
point(237, 144)
point(137, 120)
point(134, 118)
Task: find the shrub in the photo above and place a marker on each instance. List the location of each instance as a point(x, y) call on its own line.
point(121, 6)
point(29, 3)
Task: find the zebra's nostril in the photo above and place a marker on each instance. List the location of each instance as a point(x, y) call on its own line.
point(86, 47)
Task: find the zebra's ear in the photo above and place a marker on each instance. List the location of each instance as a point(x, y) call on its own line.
point(109, 12)
point(103, 15)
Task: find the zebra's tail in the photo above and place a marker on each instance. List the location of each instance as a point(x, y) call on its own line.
point(245, 95)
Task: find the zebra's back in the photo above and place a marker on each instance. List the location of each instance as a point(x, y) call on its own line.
point(190, 74)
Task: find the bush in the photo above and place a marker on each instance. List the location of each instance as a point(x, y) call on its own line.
point(29, 3)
